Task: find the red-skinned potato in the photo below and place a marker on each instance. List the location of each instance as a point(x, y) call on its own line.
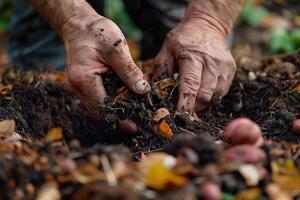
point(211, 191)
point(296, 126)
point(245, 154)
point(128, 126)
point(242, 131)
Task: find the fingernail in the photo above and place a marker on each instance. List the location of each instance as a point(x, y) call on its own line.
point(142, 87)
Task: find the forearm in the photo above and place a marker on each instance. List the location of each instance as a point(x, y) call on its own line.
point(64, 14)
point(219, 14)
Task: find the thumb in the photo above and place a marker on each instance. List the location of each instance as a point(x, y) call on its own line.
point(123, 65)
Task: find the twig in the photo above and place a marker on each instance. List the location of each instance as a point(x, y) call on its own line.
point(175, 86)
point(111, 179)
point(149, 99)
point(187, 131)
point(105, 106)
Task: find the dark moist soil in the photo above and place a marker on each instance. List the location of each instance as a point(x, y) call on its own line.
point(269, 100)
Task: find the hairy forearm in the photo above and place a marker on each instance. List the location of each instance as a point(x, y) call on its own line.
point(60, 13)
point(219, 13)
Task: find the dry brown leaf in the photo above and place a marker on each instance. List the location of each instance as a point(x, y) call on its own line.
point(7, 128)
point(54, 135)
point(88, 173)
point(5, 89)
point(160, 114)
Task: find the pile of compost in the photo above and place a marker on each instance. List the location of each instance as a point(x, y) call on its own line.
point(51, 149)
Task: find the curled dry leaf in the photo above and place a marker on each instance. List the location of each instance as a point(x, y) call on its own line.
point(7, 128)
point(160, 114)
point(54, 135)
point(5, 89)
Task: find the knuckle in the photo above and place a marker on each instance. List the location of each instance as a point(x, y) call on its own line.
point(191, 81)
point(204, 96)
point(75, 80)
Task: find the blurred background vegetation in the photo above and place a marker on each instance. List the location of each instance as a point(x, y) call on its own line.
point(280, 19)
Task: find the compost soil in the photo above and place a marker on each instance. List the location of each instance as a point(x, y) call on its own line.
point(262, 90)
point(40, 160)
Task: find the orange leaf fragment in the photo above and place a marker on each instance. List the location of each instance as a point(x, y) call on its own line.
point(165, 130)
point(54, 135)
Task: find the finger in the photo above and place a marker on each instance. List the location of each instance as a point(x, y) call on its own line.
point(163, 63)
point(190, 70)
point(224, 84)
point(89, 88)
point(124, 66)
point(207, 88)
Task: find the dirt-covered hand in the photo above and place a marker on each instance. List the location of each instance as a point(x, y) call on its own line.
point(93, 45)
point(95, 48)
point(205, 64)
point(197, 49)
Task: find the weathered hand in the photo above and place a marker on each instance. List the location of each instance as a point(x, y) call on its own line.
point(205, 64)
point(95, 47)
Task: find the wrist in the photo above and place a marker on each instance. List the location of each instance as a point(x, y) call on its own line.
point(217, 15)
point(77, 21)
point(207, 22)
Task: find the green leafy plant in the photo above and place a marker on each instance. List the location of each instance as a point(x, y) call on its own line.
point(284, 41)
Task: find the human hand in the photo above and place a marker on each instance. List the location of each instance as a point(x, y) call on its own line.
point(205, 65)
point(94, 47)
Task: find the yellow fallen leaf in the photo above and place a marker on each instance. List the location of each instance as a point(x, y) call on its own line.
point(7, 128)
point(54, 135)
point(297, 88)
point(159, 177)
point(165, 130)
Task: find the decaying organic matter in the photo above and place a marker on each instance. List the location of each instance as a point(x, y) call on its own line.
point(57, 151)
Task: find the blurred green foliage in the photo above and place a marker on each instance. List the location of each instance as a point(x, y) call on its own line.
point(253, 15)
point(5, 13)
point(284, 41)
point(114, 9)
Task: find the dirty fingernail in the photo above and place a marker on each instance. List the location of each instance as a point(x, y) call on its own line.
point(142, 87)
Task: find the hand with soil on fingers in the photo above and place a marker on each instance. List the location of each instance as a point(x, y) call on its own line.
point(94, 45)
point(197, 47)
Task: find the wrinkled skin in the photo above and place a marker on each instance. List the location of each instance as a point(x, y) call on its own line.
point(95, 45)
point(90, 52)
point(204, 62)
